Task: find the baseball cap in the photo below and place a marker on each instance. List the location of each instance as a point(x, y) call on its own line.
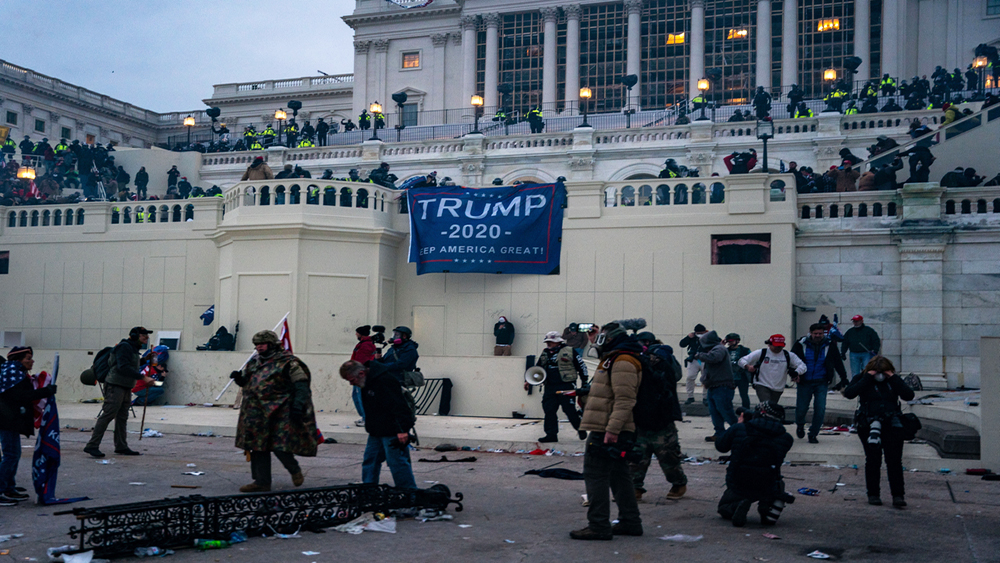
point(776, 340)
point(553, 336)
point(857, 318)
point(732, 336)
point(137, 330)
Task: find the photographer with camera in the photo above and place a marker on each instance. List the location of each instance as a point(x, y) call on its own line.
point(880, 426)
point(758, 443)
point(608, 417)
point(402, 355)
point(388, 422)
point(692, 365)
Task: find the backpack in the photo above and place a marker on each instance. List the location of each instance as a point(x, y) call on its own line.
point(788, 364)
point(656, 405)
point(102, 363)
point(412, 380)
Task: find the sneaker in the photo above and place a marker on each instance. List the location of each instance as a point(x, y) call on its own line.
point(582, 434)
point(127, 451)
point(93, 452)
point(254, 488)
point(298, 478)
point(740, 515)
point(898, 502)
point(813, 440)
point(359, 422)
point(588, 534)
point(709, 438)
point(14, 495)
point(874, 500)
point(676, 492)
point(7, 502)
point(620, 529)
point(548, 439)
point(800, 431)
point(689, 401)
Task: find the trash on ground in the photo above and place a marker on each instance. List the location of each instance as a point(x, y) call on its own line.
point(211, 544)
point(310, 553)
point(185, 486)
point(944, 471)
point(557, 473)
point(370, 522)
point(445, 448)
point(150, 433)
point(9, 537)
point(510, 541)
point(808, 492)
point(59, 554)
point(465, 525)
point(978, 471)
point(438, 518)
point(681, 538)
point(771, 536)
point(283, 536)
point(538, 451)
point(152, 552)
point(195, 473)
point(444, 459)
point(192, 465)
point(137, 484)
point(818, 555)
point(239, 536)
point(208, 434)
point(106, 462)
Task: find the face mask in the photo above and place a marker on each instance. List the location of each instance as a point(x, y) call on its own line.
point(880, 377)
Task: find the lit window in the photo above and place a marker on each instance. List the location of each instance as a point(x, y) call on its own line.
point(91, 139)
point(675, 38)
point(828, 25)
point(411, 60)
point(738, 33)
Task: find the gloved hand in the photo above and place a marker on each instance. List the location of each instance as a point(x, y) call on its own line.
point(50, 390)
point(300, 401)
point(238, 378)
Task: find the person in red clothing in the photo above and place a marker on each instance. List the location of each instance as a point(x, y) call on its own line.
point(155, 366)
point(741, 162)
point(364, 352)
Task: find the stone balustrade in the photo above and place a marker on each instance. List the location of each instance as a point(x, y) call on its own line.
point(287, 85)
point(105, 217)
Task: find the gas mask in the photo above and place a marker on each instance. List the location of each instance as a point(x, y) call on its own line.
point(397, 338)
point(879, 377)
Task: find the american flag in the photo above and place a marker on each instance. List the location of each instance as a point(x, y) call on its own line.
point(285, 336)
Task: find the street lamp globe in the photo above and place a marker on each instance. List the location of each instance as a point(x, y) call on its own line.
point(830, 75)
point(703, 85)
point(189, 121)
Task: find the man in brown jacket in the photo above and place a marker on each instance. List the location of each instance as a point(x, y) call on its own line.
point(608, 418)
point(258, 170)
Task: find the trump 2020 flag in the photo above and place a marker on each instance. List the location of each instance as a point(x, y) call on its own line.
point(208, 316)
point(45, 461)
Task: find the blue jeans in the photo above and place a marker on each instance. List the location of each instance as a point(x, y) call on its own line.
point(147, 396)
point(804, 393)
point(378, 450)
point(10, 444)
point(720, 407)
point(858, 362)
point(356, 397)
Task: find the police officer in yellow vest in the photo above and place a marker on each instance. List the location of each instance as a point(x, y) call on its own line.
point(306, 143)
point(852, 108)
point(62, 146)
point(268, 135)
point(803, 111)
point(887, 85)
point(562, 368)
point(291, 133)
point(256, 146)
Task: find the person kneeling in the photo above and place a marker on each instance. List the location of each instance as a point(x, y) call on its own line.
point(759, 444)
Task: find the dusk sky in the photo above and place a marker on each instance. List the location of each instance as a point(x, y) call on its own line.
point(165, 56)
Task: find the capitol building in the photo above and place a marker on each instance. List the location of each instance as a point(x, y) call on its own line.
point(921, 263)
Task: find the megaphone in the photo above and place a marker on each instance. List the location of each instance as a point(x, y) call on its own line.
point(535, 375)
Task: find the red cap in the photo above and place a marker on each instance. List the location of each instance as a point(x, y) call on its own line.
point(857, 318)
point(776, 340)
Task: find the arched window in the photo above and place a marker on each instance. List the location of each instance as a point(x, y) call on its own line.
point(949, 207)
point(805, 211)
point(628, 196)
point(151, 213)
point(69, 217)
point(363, 198)
point(862, 210)
point(981, 206)
point(680, 194)
point(848, 210)
point(12, 219)
point(164, 214)
point(189, 212)
point(265, 195)
point(175, 214)
point(57, 218)
point(819, 211)
point(46, 218)
point(662, 195)
point(891, 209)
point(966, 207)
point(330, 196)
point(834, 211)
point(312, 194)
point(79, 217)
point(996, 205)
point(698, 193)
point(248, 195)
point(876, 209)
point(34, 218)
point(717, 193)
point(294, 195)
point(345, 197)
point(279, 195)
point(127, 215)
point(645, 195)
point(610, 196)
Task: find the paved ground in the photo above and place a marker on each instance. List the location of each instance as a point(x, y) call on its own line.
point(535, 514)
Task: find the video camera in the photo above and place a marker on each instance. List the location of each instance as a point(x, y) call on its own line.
point(395, 443)
point(378, 335)
point(622, 449)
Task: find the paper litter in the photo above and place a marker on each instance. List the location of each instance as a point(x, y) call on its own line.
point(681, 538)
point(818, 555)
point(310, 553)
point(9, 537)
point(195, 473)
point(368, 522)
point(465, 525)
point(150, 433)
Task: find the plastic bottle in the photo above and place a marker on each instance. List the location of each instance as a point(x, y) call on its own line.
point(148, 551)
point(238, 536)
point(211, 544)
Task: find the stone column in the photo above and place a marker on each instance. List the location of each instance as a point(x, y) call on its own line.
point(549, 60)
point(863, 36)
point(891, 13)
point(381, 63)
point(697, 64)
point(764, 44)
point(633, 62)
point(572, 56)
point(360, 76)
point(492, 61)
point(468, 59)
point(790, 44)
point(439, 40)
point(922, 241)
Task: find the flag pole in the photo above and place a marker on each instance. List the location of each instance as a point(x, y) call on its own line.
point(276, 327)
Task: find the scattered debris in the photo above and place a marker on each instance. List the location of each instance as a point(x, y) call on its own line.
point(771, 536)
point(446, 448)
point(808, 492)
point(465, 525)
point(61, 554)
point(9, 537)
point(681, 538)
point(444, 459)
point(191, 465)
point(510, 541)
point(185, 486)
point(310, 553)
point(137, 484)
point(818, 555)
point(106, 462)
point(150, 433)
point(152, 552)
point(195, 473)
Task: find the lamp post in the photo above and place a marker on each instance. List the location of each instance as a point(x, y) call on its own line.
point(189, 123)
point(477, 103)
point(979, 63)
point(26, 173)
point(830, 77)
point(280, 116)
point(765, 131)
point(703, 86)
point(375, 109)
point(585, 95)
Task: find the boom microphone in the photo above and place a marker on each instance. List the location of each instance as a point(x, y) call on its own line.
point(635, 325)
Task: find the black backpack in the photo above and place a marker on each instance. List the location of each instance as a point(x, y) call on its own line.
point(656, 405)
point(102, 364)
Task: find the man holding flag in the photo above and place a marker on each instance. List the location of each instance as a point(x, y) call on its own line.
point(17, 415)
point(276, 414)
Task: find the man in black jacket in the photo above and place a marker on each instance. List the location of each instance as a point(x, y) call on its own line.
point(759, 444)
point(322, 127)
point(124, 372)
point(820, 356)
point(402, 355)
point(388, 421)
point(141, 181)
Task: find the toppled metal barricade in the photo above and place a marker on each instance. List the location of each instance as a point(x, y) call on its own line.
point(177, 522)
